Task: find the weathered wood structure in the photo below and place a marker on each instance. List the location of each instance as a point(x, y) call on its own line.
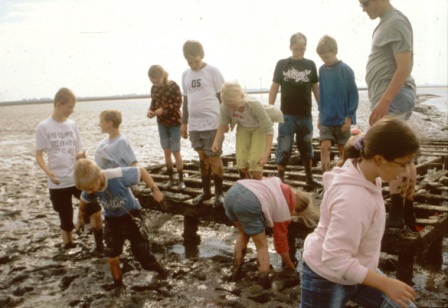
point(431, 203)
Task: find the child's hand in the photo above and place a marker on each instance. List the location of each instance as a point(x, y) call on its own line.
point(215, 147)
point(158, 196)
point(53, 178)
point(150, 114)
point(79, 226)
point(346, 126)
point(81, 154)
point(184, 131)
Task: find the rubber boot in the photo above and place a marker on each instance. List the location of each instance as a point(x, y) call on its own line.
point(181, 185)
point(395, 217)
point(219, 194)
point(309, 175)
point(206, 190)
point(154, 265)
point(281, 174)
point(264, 280)
point(171, 180)
point(409, 215)
point(98, 236)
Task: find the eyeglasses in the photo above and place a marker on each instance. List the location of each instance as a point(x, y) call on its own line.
point(364, 4)
point(402, 165)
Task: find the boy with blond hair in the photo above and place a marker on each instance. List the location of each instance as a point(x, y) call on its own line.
point(58, 137)
point(122, 211)
point(338, 102)
point(296, 77)
point(201, 86)
point(113, 151)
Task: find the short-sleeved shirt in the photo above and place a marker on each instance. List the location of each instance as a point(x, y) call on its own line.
point(60, 141)
point(114, 153)
point(116, 197)
point(169, 98)
point(201, 88)
point(296, 78)
point(392, 36)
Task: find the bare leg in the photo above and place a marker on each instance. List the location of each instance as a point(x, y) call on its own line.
point(325, 150)
point(240, 251)
point(67, 238)
point(244, 173)
point(114, 264)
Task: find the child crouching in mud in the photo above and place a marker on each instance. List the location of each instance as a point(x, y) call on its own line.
point(123, 218)
point(253, 205)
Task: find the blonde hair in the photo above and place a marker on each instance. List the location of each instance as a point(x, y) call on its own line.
point(157, 71)
point(193, 49)
point(112, 115)
point(232, 94)
point(297, 38)
point(85, 173)
point(309, 211)
point(327, 44)
point(64, 96)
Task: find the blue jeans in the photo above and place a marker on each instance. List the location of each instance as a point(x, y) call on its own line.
point(169, 137)
point(302, 127)
point(318, 292)
point(402, 105)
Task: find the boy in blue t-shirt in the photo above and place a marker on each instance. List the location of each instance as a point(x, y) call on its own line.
point(338, 100)
point(122, 211)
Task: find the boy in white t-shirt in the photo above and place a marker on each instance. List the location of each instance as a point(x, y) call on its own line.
point(201, 86)
point(58, 137)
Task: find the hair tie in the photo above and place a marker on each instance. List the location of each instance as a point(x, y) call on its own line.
point(358, 143)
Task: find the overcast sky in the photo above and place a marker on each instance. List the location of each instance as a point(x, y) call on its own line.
point(105, 47)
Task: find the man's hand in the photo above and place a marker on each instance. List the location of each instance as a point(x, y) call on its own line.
point(378, 112)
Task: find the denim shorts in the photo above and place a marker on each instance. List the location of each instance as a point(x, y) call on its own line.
point(61, 199)
point(203, 140)
point(302, 127)
point(403, 104)
point(169, 137)
point(320, 292)
point(242, 205)
point(333, 133)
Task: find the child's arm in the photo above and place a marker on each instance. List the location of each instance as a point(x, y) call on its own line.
point(315, 88)
point(157, 194)
point(397, 290)
point(219, 137)
point(273, 93)
point(43, 165)
point(184, 126)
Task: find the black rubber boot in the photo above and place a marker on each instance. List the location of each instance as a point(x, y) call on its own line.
point(99, 249)
point(395, 217)
point(181, 185)
point(264, 280)
point(171, 179)
point(206, 195)
point(409, 215)
point(219, 194)
point(309, 175)
point(153, 265)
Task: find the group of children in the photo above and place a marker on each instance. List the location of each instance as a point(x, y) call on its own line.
point(210, 106)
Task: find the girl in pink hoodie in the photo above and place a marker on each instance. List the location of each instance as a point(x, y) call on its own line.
point(341, 256)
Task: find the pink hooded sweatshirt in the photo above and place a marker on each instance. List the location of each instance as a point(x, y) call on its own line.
point(347, 240)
